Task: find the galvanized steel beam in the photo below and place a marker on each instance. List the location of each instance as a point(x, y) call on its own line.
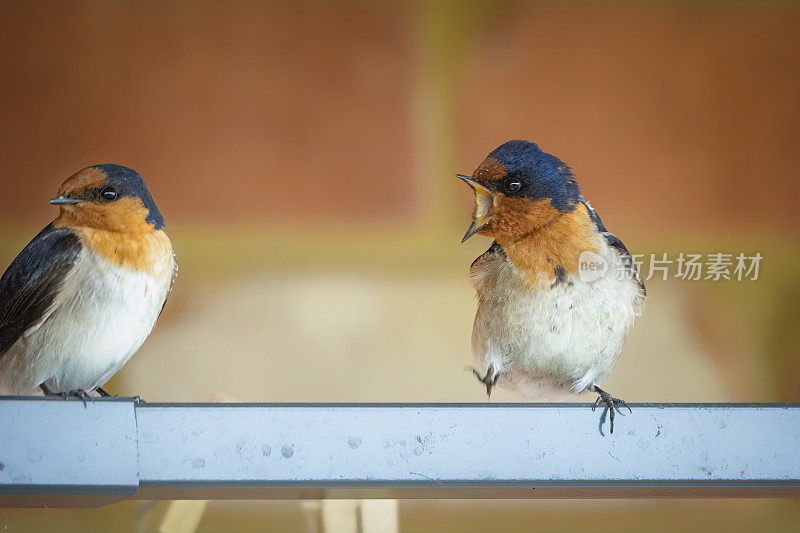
point(57, 452)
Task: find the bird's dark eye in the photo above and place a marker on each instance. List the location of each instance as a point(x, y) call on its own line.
point(108, 194)
point(512, 184)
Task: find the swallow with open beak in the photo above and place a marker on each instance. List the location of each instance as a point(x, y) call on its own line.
point(557, 293)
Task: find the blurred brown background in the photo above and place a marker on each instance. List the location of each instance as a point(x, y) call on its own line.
point(303, 155)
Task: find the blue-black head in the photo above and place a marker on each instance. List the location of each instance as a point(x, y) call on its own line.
point(520, 185)
point(101, 190)
point(534, 174)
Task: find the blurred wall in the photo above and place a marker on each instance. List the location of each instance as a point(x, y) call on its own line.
point(312, 110)
point(677, 117)
point(231, 110)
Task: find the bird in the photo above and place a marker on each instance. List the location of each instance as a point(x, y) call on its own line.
point(81, 298)
point(557, 292)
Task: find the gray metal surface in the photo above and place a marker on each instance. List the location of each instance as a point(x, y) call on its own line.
point(61, 447)
point(177, 451)
point(484, 445)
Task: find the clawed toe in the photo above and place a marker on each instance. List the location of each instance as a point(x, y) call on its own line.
point(82, 394)
point(612, 403)
point(490, 379)
point(621, 403)
point(596, 403)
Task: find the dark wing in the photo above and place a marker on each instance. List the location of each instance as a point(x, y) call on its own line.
point(615, 243)
point(30, 284)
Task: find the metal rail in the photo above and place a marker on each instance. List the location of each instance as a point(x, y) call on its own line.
point(60, 453)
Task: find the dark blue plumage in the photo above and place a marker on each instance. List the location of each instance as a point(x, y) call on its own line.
point(616, 243)
point(31, 282)
point(542, 175)
point(128, 182)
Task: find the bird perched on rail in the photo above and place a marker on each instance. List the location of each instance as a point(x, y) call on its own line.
point(84, 294)
point(557, 293)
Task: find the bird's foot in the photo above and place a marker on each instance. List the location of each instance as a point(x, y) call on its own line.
point(79, 393)
point(490, 379)
point(612, 403)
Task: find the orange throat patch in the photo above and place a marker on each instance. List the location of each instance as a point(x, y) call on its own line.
point(145, 252)
point(119, 233)
point(558, 243)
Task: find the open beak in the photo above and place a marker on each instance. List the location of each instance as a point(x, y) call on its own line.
point(484, 199)
point(64, 200)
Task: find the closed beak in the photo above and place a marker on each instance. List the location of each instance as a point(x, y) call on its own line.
point(65, 200)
